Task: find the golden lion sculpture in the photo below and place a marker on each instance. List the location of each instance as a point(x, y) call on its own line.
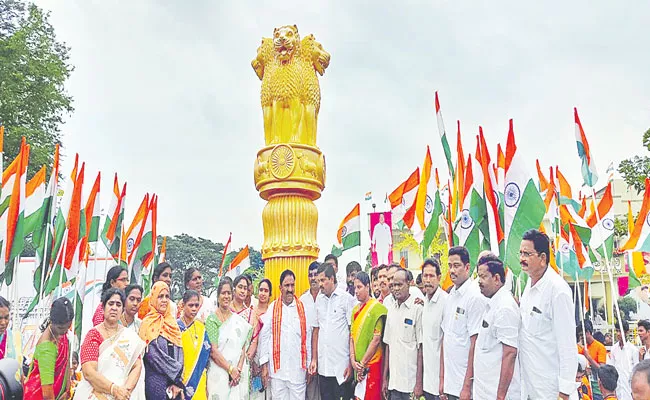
point(287, 67)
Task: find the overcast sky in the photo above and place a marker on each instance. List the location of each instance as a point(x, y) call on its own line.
point(165, 95)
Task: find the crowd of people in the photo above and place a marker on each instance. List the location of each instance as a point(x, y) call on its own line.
point(376, 336)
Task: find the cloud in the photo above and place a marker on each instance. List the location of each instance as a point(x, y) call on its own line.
point(165, 95)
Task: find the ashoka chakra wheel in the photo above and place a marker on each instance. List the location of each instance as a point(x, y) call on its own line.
point(283, 161)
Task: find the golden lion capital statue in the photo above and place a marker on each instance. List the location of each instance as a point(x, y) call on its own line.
point(287, 67)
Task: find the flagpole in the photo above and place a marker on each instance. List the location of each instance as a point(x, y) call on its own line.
point(92, 301)
point(609, 271)
point(15, 293)
point(602, 282)
point(48, 226)
point(582, 316)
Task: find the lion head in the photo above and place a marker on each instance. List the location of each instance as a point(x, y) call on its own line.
point(286, 42)
point(314, 51)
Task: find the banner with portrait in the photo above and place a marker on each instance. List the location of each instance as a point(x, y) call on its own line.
point(381, 238)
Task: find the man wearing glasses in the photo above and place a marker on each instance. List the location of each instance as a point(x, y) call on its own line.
point(547, 347)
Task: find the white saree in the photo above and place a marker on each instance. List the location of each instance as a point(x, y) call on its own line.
point(117, 356)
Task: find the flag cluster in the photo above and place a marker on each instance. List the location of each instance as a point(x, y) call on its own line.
point(64, 228)
point(490, 199)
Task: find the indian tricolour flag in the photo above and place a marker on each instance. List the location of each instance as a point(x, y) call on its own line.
point(112, 229)
point(402, 198)
point(133, 235)
point(524, 208)
point(589, 173)
point(144, 256)
point(443, 138)
point(466, 226)
point(492, 200)
point(601, 245)
point(15, 240)
point(93, 211)
point(349, 233)
point(640, 237)
point(34, 196)
point(239, 264)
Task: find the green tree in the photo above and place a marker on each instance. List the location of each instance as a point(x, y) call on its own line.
point(185, 251)
point(34, 67)
point(634, 170)
point(626, 304)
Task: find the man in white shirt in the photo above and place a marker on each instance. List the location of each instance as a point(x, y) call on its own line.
point(623, 356)
point(308, 299)
point(434, 303)
point(496, 370)
point(547, 342)
point(382, 240)
point(463, 314)
point(403, 338)
point(331, 337)
point(643, 330)
point(413, 290)
point(284, 357)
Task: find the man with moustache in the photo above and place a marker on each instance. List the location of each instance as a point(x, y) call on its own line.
point(374, 283)
point(351, 271)
point(547, 350)
point(382, 278)
point(434, 304)
point(413, 290)
point(461, 322)
point(285, 343)
point(308, 299)
point(331, 337)
point(340, 277)
point(496, 368)
point(403, 338)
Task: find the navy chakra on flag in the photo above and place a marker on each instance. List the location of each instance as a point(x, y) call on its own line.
point(428, 205)
point(496, 197)
point(129, 245)
point(344, 231)
point(565, 248)
point(608, 224)
point(466, 220)
point(512, 194)
point(647, 218)
point(444, 208)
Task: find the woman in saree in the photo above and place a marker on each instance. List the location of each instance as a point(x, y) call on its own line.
point(161, 273)
point(117, 277)
point(240, 288)
point(366, 330)
point(264, 291)
point(229, 335)
point(49, 373)
point(196, 347)
point(163, 359)
point(193, 280)
point(110, 356)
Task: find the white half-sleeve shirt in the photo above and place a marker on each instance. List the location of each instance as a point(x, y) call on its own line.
point(547, 345)
point(462, 319)
point(500, 327)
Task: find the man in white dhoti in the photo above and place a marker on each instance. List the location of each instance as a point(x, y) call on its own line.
point(382, 241)
point(285, 349)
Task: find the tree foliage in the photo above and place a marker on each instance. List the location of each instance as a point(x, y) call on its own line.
point(636, 169)
point(437, 250)
point(34, 67)
point(185, 251)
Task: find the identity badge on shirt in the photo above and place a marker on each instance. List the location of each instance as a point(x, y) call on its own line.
point(459, 311)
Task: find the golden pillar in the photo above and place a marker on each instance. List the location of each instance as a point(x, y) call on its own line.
point(290, 169)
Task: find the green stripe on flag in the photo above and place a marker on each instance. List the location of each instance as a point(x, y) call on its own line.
point(351, 240)
point(447, 150)
point(529, 215)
